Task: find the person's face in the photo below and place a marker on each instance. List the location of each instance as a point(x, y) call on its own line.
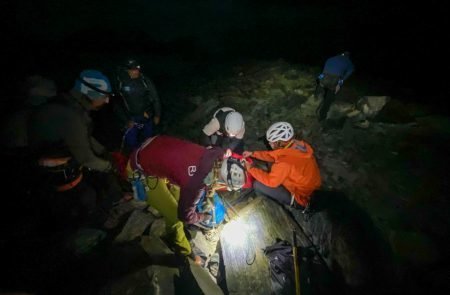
point(100, 102)
point(134, 73)
point(276, 145)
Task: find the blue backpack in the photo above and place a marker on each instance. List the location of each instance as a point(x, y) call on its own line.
point(218, 212)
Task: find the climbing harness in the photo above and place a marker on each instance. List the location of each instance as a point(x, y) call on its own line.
point(62, 173)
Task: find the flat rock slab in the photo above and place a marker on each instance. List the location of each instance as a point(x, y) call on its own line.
point(243, 239)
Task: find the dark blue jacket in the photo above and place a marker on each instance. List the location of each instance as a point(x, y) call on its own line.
point(340, 66)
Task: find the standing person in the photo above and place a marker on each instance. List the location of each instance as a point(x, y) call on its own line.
point(59, 135)
point(226, 129)
point(139, 112)
point(176, 173)
point(294, 174)
point(336, 70)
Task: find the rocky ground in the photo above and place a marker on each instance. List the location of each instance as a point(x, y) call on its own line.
point(385, 155)
point(383, 168)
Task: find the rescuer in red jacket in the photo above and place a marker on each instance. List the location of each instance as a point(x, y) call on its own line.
point(174, 173)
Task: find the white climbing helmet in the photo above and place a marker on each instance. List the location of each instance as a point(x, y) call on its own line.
point(234, 123)
point(233, 173)
point(280, 131)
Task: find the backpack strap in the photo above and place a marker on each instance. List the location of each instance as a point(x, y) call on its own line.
point(221, 115)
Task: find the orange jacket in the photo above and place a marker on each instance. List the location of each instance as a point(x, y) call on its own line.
point(294, 167)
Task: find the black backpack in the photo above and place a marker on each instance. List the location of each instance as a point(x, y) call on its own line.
point(281, 266)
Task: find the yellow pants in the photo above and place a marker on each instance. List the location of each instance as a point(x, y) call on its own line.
point(164, 197)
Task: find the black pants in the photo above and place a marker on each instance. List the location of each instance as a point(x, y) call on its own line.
point(328, 97)
point(279, 194)
point(236, 145)
point(326, 91)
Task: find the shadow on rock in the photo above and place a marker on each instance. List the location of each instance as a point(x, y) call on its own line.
point(347, 241)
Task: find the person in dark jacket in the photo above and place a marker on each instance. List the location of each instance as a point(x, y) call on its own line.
point(66, 122)
point(139, 111)
point(226, 129)
point(336, 70)
point(70, 162)
point(175, 175)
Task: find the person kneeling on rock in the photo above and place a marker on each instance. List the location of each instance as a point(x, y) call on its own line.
point(294, 174)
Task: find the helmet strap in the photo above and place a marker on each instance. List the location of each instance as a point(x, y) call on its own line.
point(287, 144)
point(93, 87)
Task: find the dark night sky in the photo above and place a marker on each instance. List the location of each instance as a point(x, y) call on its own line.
point(398, 42)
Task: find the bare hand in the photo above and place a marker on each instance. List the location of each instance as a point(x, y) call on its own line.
point(247, 154)
point(156, 120)
point(227, 154)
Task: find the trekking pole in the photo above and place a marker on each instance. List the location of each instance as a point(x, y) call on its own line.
point(296, 265)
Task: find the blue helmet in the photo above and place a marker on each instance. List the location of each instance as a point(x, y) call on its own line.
point(94, 84)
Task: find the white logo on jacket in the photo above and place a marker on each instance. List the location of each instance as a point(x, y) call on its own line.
point(192, 170)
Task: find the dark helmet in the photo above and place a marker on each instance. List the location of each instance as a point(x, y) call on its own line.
point(132, 64)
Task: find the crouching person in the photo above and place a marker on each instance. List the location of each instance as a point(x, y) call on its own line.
point(294, 174)
point(174, 173)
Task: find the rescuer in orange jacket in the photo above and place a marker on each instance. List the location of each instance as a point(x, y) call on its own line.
point(294, 174)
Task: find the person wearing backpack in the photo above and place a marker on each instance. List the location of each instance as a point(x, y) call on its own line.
point(335, 71)
point(294, 174)
point(226, 129)
point(139, 111)
point(172, 174)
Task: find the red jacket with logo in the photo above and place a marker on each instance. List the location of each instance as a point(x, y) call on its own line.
point(184, 163)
